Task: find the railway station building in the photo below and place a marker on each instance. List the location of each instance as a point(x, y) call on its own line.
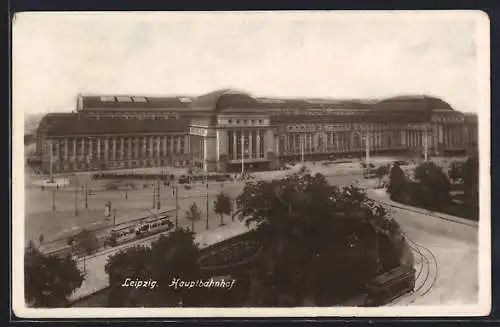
point(225, 129)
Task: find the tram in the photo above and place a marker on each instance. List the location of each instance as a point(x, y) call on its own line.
point(391, 285)
point(129, 232)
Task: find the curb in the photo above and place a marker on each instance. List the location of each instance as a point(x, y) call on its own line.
point(433, 214)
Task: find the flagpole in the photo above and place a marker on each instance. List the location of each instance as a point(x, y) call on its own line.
point(50, 162)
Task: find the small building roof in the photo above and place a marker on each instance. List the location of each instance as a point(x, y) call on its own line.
point(133, 102)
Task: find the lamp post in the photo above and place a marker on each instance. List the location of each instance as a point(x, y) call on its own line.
point(158, 204)
point(53, 200)
point(207, 227)
point(76, 198)
point(154, 194)
point(176, 190)
point(51, 161)
point(367, 149)
point(86, 195)
point(242, 154)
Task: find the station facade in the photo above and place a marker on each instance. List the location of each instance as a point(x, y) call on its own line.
point(227, 129)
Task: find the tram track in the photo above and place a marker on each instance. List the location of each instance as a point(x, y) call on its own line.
point(427, 269)
point(429, 264)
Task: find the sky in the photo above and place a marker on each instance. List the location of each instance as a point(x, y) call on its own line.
point(333, 55)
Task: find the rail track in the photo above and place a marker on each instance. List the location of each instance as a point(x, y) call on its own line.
point(427, 270)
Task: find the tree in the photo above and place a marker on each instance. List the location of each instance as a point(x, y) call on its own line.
point(171, 256)
point(134, 263)
point(470, 175)
point(222, 206)
point(49, 280)
point(193, 215)
point(86, 242)
point(455, 172)
point(433, 186)
point(381, 172)
point(397, 183)
point(308, 228)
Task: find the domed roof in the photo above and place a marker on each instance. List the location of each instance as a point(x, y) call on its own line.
point(222, 99)
point(413, 103)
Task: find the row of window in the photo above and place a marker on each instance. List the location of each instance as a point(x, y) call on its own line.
point(135, 115)
point(245, 121)
point(67, 166)
point(123, 99)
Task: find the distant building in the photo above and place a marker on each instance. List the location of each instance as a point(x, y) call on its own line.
point(217, 130)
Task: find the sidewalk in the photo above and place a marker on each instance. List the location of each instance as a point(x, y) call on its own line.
point(96, 278)
point(380, 195)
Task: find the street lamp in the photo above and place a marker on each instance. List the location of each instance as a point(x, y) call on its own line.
point(51, 160)
point(76, 196)
point(207, 227)
point(426, 143)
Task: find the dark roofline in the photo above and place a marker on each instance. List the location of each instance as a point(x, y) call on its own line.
point(77, 125)
point(210, 100)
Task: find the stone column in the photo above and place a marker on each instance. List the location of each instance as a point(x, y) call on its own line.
point(158, 148)
point(106, 150)
point(91, 149)
point(257, 144)
point(129, 156)
point(122, 147)
point(250, 136)
point(164, 139)
point(136, 148)
point(235, 145)
point(83, 147)
point(151, 147)
point(114, 149)
point(144, 147)
point(58, 154)
point(98, 155)
point(66, 155)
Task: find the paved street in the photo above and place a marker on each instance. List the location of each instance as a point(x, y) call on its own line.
point(97, 279)
point(454, 249)
point(59, 224)
point(447, 274)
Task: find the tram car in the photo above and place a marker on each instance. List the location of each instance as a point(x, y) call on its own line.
point(129, 232)
point(154, 226)
point(391, 285)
